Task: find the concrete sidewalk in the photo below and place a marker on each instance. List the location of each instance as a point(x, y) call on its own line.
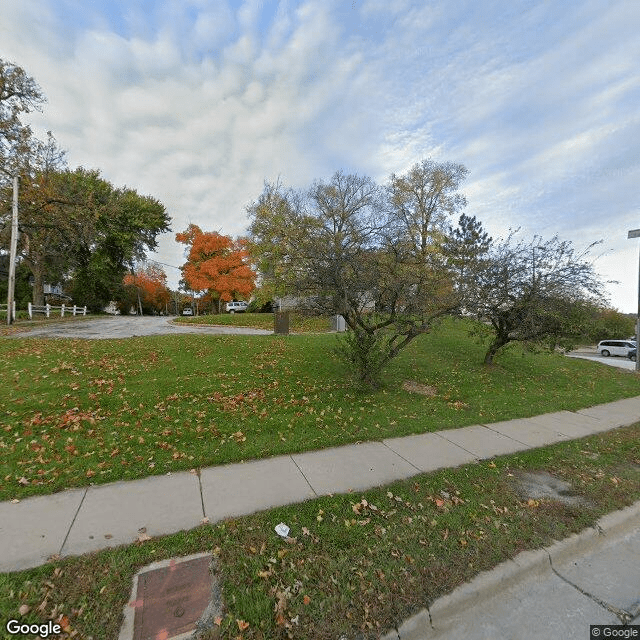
point(82, 520)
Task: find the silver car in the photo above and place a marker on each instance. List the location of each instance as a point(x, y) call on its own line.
point(616, 347)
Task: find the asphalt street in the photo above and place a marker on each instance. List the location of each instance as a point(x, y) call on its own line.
point(612, 361)
point(128, 327)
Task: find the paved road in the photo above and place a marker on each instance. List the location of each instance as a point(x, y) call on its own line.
point(127, 327)
point(556, 593)
point(612, 361)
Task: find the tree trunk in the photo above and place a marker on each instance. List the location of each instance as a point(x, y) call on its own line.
point(497, 344)
point(38, 286)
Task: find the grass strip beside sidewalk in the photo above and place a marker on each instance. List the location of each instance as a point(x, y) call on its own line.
point(355, 564)
point(79, 412)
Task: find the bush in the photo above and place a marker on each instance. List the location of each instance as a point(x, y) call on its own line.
point(257, 306)
point(366, 354)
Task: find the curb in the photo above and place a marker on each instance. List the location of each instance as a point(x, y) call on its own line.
point(440, 617)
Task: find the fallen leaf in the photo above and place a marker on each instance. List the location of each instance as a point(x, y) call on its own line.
point(306, 599)
point(143, 536)
point(24, 609)
point(242, 625)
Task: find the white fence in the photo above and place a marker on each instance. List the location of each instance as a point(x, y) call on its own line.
point(47, 308)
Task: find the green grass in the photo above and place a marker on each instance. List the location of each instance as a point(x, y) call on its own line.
point(298, 323)
point(357, 563)
point(74, 412)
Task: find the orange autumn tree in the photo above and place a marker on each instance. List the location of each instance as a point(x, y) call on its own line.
point(217, 264)
point(150, 282)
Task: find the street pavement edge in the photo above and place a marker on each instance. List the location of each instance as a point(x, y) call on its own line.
point(491, 583)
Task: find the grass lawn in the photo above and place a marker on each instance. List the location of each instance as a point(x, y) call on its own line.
point(75, 412)
point(355, 564)
point(298, 323)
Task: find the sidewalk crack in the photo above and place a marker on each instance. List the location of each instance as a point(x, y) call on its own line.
point(315, 493)
point(204, 515)
point(418, 469)
point(624, 616)
point(488, 426)
point(75, 515)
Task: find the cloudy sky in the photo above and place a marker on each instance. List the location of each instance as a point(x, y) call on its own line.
point(197, 102)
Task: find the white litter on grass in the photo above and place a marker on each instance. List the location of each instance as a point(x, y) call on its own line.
point(282, 530)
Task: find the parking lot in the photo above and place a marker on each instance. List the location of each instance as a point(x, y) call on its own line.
point(612, 361)
point(127, 327)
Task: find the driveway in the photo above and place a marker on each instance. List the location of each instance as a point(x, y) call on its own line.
point(128, 327)
point(612, 361)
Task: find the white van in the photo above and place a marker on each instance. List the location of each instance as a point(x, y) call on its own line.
point(236, 307)
point(616, 347)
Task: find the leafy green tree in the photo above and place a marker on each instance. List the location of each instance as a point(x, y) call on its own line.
point(73, 224)
point(41, 246)
point(76, 226)
point(22, 294)
point(466, 247)
point(597, 322)
point(533, 290)
point(113, 229)
point(19, 94)
point(611, 323)
point(371, 254)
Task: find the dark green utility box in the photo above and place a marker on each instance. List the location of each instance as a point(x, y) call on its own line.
point(281, 323)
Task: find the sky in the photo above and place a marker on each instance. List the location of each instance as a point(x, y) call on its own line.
point(198, 102)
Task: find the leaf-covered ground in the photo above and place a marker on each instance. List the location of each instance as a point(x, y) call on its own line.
point(298, 323)
point(74, 412)
point(354, 565)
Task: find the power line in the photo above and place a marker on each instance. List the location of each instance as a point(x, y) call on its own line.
point(163, 264)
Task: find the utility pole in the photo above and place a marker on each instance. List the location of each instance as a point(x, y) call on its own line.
point(12, 254)
point(635, 233)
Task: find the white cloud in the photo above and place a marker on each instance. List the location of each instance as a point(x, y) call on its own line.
point(197, 101)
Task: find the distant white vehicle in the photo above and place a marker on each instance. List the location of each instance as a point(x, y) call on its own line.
point(616, 347)
point(187, 311)
point(236, 307)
